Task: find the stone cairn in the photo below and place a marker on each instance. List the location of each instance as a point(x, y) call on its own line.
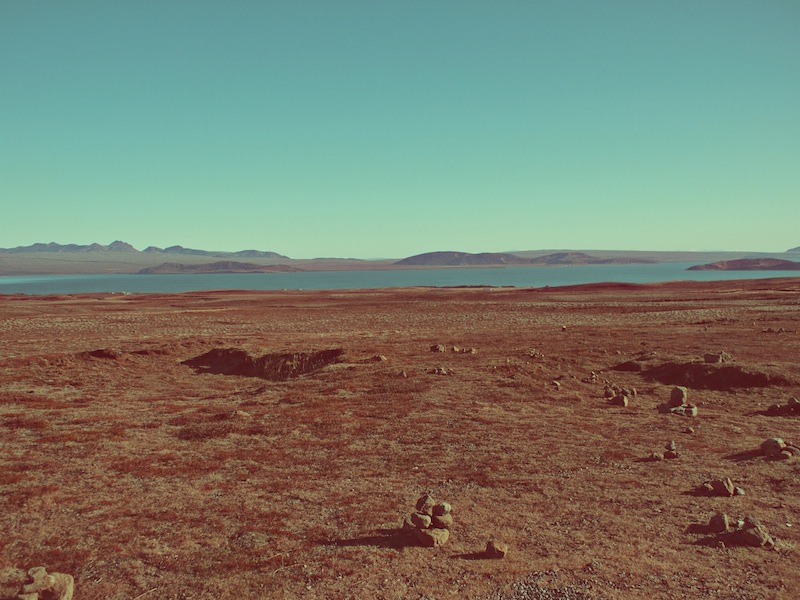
point(792, 407)
point(744, 532)
point(430, 523)
point(721, 487)
point(678, 403)
point(36, 584)
point(777, 449)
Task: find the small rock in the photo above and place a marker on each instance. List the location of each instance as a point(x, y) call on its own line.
point(793, 404)
point(442, 521)
point(784, 454)
point(379, 358)
point(456, 349)
point(689, 430)
point(425, 504)
point(420, 520)
point(442, 508)
point(404, 374)
point(671, 445)
point(557, 385)
point(496, 549)
point(620, 400)
point(772, 447)
point(738, 491)
point(437, 348)
point(432, 538)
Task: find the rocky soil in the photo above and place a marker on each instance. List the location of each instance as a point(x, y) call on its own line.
point(272, 444)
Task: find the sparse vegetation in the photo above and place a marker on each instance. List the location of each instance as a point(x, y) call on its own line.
point(134, 472)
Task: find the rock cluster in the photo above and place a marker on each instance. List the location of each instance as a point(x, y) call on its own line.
point(777, 449)
point(670, 452)
point(721, 487)
point(792, 407)
point(678, 403)
point(36, 584)
point(744, 532)
point(717, 357)
point(431, 522)
point(619, 396)
point(456, 349)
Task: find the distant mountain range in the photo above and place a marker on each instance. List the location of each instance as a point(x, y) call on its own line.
point(223, 266)
point(456, 259)
point(119, 246)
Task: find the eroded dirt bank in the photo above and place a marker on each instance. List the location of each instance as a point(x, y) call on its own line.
point(140, 474)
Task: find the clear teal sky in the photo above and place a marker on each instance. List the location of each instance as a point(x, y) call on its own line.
point(385, 129)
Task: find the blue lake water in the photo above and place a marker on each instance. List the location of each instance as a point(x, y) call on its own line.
point(321, 280)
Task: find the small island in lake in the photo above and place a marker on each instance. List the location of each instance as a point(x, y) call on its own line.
point(749, 264)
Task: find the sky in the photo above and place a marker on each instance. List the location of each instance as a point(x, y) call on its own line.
point(367, 128)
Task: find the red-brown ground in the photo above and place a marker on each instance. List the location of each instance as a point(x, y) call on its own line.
point(132, 471)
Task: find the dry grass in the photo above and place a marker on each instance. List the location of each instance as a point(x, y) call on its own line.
point(136, 474)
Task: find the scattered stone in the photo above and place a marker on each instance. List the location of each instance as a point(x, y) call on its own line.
point(456, 349)
point(792, 407)
point(629, 392)
point(671, 445)
point(440, 371)
point(496, 549)
point(437, 348)
point(738, 491)
point(379, 358)
point(557, 385)
point(793, 404)
point(403, 374)
point(689, 430)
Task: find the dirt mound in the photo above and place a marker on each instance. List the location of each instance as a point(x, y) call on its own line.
point(275, 367)
point(712, 376)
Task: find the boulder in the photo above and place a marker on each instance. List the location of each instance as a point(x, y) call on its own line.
point(678, 396)
point(442, 521)
point(723, 487)
point(425, 504)
point(442, 508)
point(420, 520)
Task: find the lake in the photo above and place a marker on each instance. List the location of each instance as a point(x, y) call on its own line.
point(321, 280)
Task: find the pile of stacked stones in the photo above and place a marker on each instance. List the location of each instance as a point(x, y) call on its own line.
point(456, 349)
point(36, 584)
point(745, 532)
point(431, 522)
point(792, 407)
point(777, 449)
point(678, 403)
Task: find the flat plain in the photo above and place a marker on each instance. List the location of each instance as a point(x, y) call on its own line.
point(147, 476)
